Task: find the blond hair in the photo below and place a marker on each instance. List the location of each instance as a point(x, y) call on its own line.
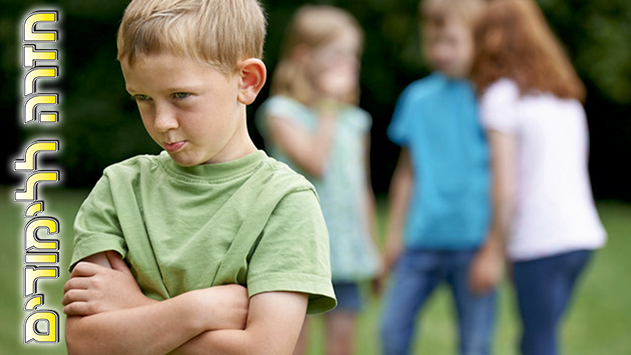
point(218, 32)
point(514, 41)
point(312, 26)
point(436, 13)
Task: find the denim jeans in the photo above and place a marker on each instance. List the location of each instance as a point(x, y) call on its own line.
point(544, 288)
point(417, 274)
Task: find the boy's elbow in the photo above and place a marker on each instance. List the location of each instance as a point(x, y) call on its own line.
point(76, 343)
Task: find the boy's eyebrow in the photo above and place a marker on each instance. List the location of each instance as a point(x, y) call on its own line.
point(169, 89)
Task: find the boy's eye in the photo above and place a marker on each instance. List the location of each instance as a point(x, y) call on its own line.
point(141, 97)
point(180, 95)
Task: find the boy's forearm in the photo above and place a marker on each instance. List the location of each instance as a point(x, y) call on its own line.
point(273, 327)
point(152, 329)
point(220, 341)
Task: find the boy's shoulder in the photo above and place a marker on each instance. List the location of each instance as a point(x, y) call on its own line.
point(279, 176)
point(133, 165)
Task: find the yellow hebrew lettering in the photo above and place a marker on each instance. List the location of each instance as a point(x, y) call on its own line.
point(33, 273)
point(33, 35)
point(32, 55)
point(30, 234)
point(28, 163)
point(33, 209)
point(34, 302)
point(36, 73)
point(41, 258)
point(31, 104)
point(32, 323)
point(30, 191)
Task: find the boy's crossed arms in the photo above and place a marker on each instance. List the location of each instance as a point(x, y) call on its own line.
point(108, 314)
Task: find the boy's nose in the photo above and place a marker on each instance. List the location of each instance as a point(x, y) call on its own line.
point(165, 119)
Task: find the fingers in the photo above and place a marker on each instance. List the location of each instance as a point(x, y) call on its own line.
point(78, 309)
point(117, 262)
point(74, 295)
point(77, 283)
point(76, 303)
point(85, 269)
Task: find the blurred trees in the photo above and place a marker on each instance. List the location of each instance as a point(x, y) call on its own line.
point(100, 125)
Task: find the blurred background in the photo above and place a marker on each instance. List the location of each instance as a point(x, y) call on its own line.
point(100, 125)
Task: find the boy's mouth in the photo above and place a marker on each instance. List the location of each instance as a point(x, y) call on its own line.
point(174, 147)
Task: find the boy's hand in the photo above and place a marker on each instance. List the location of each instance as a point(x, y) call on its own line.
point(222, 307)
point(486, 269)
point(95, 289)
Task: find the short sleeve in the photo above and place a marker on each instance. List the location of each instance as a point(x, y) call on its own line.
point(365, 121)
point(359, 120)
point(293, 253)
point(96, 227)
point(399, 127)
point(498, 106)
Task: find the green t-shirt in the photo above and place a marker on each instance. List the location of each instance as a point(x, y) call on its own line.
point(251, 221)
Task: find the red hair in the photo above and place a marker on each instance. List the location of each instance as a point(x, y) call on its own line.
point(513, 40)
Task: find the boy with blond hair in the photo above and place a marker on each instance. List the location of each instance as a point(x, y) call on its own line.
point(210, 246)
point(440, 194)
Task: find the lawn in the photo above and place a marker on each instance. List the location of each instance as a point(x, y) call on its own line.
point(599, 322)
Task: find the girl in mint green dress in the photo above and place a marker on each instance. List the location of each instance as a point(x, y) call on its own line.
point(313, 124)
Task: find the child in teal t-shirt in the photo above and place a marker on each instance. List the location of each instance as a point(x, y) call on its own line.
point(440, 191)
point(210, 246)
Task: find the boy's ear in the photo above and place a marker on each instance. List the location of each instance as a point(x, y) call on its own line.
point(253, 75)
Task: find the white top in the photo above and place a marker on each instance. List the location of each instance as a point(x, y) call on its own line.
point(554, 207)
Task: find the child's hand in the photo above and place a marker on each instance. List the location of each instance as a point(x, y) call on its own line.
point(222, 307)
point(95, 289)
point(392, 253)
point(486, 269)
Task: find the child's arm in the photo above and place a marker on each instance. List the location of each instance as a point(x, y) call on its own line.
point(308, 151)
point(488, 266)
point(107, 313)
point(400, 192)
point(370, 194)
point(371, 214)
point(273, 325)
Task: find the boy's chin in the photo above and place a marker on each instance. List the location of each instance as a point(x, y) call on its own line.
point(185, 163)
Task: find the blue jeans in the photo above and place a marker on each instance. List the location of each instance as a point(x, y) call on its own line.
point(417, 274)
point(544, 288)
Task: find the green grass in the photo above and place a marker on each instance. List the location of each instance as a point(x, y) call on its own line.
point(599, 320)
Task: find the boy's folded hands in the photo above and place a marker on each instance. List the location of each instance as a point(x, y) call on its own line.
point(93, 289)
point(222, 307)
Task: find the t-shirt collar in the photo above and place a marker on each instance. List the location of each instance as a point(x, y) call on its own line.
point(218, 172)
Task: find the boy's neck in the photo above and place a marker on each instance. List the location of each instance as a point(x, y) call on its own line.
point(234, 152)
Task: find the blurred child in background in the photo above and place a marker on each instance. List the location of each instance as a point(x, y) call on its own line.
point(440, 191)
point(312, 122)
point(531, 107)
